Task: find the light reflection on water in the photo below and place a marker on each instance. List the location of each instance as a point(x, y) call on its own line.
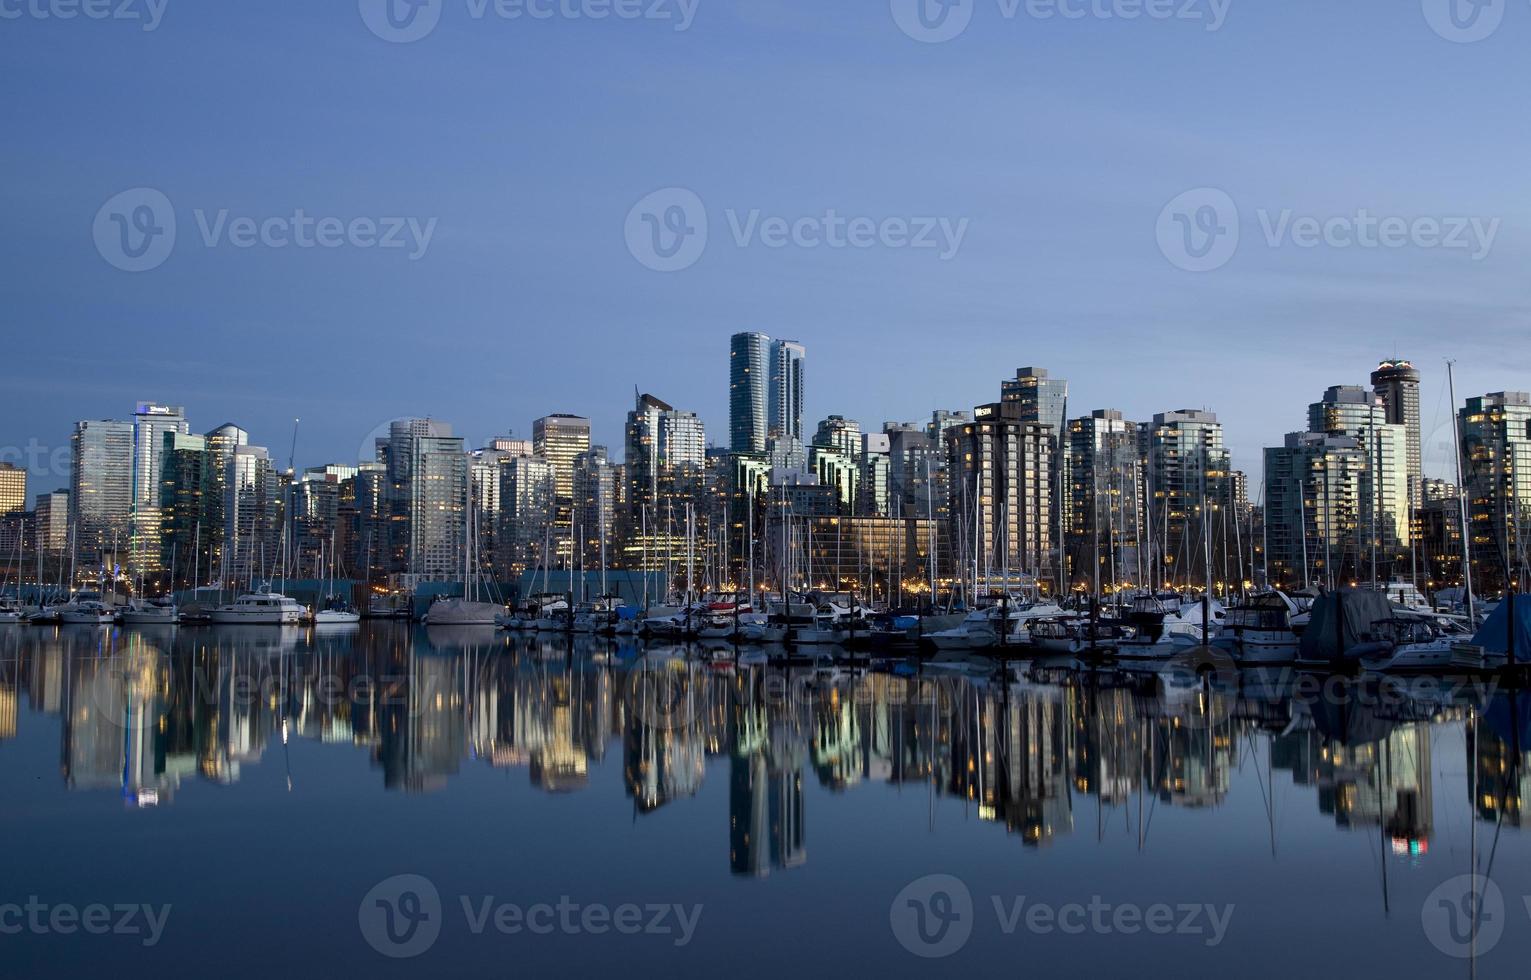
point(1136, 783)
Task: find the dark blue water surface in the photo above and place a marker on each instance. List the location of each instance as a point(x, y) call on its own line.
point(391, 801)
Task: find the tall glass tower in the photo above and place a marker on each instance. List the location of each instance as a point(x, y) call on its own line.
point(765, 391)
point(151, 423)
point(749, 370)
point(101, 495)
point(1397, 383)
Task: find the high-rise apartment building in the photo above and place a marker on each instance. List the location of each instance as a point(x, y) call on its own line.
point(1000, 493)
point(1396, 382)
point(528, 508)
point(1105, 494)
point(1187, 473)
point(252, 516)
point(595, 500)
point(765, 391)
point(1496, 451)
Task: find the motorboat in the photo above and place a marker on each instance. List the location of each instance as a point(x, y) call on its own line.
point(1262, 628)
point(10, 611)
point(1077, 634)
point(151, 612)
point(1169, 616)
point(259, 609)
point(826, 630)
point(86, 609)
point(976, 632)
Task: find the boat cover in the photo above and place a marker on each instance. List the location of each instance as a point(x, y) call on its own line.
point(1361, 609)
point(1495, 634)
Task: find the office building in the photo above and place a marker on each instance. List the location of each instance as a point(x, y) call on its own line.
point(101, 498)
point(13, 489)
point(1188, 486)
point(560, 439)
point(152, 422)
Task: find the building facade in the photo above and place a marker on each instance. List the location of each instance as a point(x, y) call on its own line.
point(101, 498)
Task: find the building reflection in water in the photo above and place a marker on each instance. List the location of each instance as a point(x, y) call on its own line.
point(1042, 757)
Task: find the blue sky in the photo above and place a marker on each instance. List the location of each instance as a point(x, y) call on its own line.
point(1056, 144)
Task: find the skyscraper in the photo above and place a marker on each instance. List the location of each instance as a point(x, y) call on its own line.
point(186, 529)
point(1105, 484)
point(595, 497)
point(1188, 484)
point(252, 516)
point(13, 489)
point(101, 496)
point(765, 391)
point(1000, 482)
point(749, 401)
point(528, 507)
point(1397, 384)
point(151, 423)
point(1496, 451)
point(1039, 398)
point(220, 445)
point(560, 439)
point(663, 444)
point(788, 365)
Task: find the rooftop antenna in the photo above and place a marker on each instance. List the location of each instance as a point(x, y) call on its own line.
point(293, 454)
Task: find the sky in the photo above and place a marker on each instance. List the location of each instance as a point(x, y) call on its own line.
point(927, 203)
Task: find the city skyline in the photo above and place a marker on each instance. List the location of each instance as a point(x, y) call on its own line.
point(1436, 449)
point(1060, 265)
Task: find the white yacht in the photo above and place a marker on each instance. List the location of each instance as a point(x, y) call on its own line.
point(976, 633)
point(85, 609)
point(1262, 628)
point(151, 612)
point(10, 611)
point(259, 609)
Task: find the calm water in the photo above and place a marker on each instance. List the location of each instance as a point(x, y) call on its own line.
point(593, 806)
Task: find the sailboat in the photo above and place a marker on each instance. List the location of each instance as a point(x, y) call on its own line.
point(337, 610)
point(466, 611)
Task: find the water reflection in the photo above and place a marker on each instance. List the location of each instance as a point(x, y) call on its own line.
point(1042, 753)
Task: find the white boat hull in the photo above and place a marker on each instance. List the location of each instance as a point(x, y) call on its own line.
point(336, 617)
